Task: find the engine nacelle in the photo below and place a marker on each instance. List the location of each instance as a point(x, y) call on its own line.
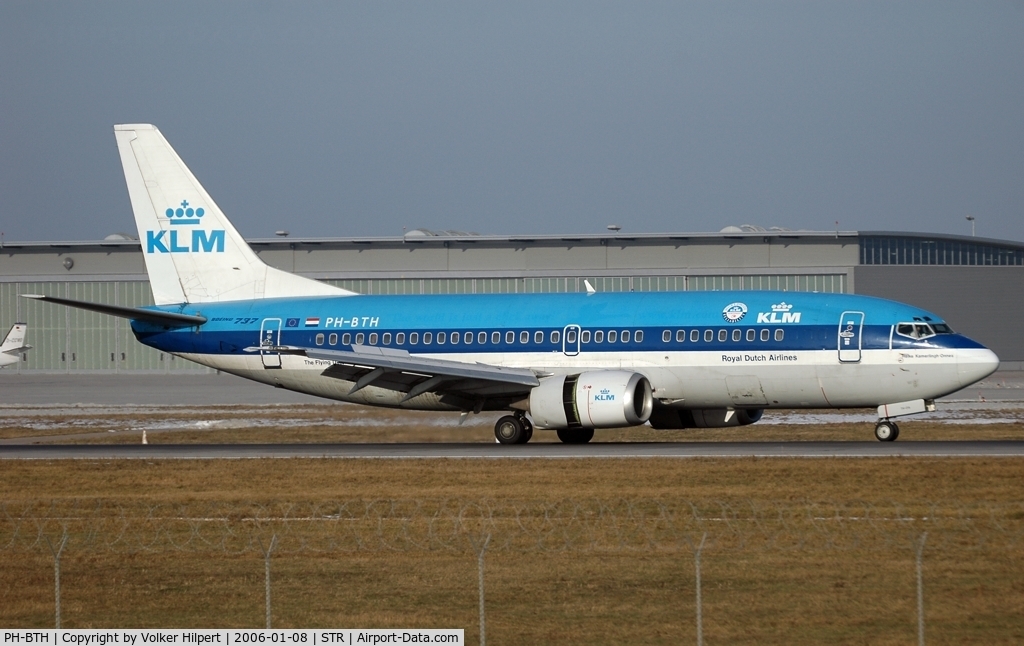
point(664, 417)
point(599, 399)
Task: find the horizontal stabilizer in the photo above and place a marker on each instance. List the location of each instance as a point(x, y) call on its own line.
point(170, 319)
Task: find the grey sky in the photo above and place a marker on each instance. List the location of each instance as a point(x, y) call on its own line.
point(337, 119)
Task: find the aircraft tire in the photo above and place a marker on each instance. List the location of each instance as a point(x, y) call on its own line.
point(575, 435)
point(510, 430)
point(527, 428)
point(886, 431)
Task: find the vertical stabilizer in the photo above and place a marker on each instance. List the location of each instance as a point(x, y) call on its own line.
point(192, 252)
point(15, 339)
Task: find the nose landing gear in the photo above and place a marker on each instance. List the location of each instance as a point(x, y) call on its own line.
point(886, 431)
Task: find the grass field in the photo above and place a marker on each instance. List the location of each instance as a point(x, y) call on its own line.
point(775, 576)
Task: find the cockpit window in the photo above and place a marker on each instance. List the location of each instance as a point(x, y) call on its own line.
point(915, 330)
point(942, 328)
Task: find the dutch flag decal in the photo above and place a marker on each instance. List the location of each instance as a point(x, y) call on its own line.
point(312, 322)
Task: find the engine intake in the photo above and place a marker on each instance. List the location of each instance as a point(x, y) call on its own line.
point(599, 399)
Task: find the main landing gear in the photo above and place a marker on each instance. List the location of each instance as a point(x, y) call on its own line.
point(513, 429)
point(886, 430)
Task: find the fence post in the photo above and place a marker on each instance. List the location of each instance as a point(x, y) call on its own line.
point(56, 572)
point(266, 561)
point(480, 550)
point(696, 562)
point(920, 591)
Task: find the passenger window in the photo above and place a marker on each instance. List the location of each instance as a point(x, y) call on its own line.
point(750, 335)
point(346, 339)
point(779, 334)
point(694, 335)
point(555, 336)
point(737, 335)
point(495, 337)
point(709, 336)
point(481, 337)
point(387, 338)
point(320, 339)
point(538, 337)
point(584, 336)
point(666, 336)
point(765, 334)
point(612, 336)
point(510, 337)
point(722, 335)
point(373, 338)
point(414, 338)
point(400, 338)
point(360, 337)
point(570, 336)
point(639, 336)
point(599, 336)
point(441, 337)
point(332, 339)
point(524, 337)
point(681, 336)
point(455, 338)
point(428, 337)
point(625, 336)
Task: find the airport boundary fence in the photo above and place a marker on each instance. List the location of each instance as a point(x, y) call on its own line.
point(693, 532)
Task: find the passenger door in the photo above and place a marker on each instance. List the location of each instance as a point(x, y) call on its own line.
point(851, 325)
point(270, 336)
point(571, 340)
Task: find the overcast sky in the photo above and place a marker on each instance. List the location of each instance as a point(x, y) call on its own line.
point(359, 119)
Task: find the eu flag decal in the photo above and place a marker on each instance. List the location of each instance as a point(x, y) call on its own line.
point(292, 323)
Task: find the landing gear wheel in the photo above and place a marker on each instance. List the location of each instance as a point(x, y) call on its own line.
point(886, 431)
point(510, 430)
point(575, 435)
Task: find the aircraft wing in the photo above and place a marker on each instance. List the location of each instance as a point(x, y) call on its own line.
point(413, 375)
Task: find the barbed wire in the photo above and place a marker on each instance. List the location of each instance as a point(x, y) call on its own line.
point(456, 525)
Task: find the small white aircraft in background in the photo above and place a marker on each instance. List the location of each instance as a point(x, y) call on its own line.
point(13, 345)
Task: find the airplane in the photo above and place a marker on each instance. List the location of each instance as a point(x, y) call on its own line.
point(13, 345)
point(571, 363)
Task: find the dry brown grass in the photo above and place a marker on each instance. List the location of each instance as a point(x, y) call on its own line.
point(852, 594)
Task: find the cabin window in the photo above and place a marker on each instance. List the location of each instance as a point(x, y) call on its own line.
point(441, 338)
point(723, 335)
point(612, 336)
point(481, 338)
point(584, 336)
point(510, 337)
point(751, 335)
point(666, 336)
point(694, 335)
point(428, 337)
point(555, 336)
point(570, 336)
point(387, 338)
point(373, 338)
point(624, 337)
point(455, 337)
point(414, 338)
point(599, 336)
point(639, 336)
point(780, 334)
point(681, 336)
point(495, 337)
point(524, 337)
point(319, 341)
point(360, 337)
point(709, 336)
point(332, 339)
point(765, 334)
point(538, 337)
point(400, 338)
point(737, 335)
point(346, 339)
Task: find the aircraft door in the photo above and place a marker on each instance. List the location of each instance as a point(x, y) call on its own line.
point(270, 336)
point(851, 325)
point(571, 340)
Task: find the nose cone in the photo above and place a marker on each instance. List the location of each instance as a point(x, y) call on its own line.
point(975, 364)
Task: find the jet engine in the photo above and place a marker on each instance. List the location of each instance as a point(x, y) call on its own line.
point(664, 417)
point(599, 399)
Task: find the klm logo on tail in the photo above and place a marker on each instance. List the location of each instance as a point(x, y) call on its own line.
point(201, 241)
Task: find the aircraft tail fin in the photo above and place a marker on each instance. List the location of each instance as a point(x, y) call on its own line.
point(14, 342)
point(193, 253)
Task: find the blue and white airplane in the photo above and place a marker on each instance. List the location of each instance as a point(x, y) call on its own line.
point(567, 362)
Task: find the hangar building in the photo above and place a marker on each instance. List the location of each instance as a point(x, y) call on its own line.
point(975, 284)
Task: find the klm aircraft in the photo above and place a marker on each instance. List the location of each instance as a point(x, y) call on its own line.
point(13, 345)
point(572, 363)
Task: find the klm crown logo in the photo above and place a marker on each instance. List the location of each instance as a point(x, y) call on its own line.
point(201, 240)
point(185, 214)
